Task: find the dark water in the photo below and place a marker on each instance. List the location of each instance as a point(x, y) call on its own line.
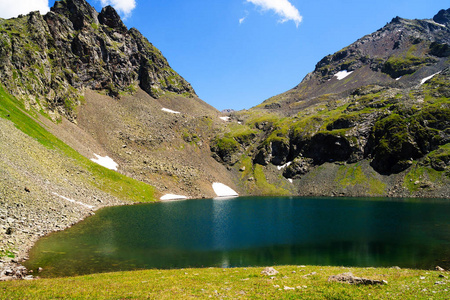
point(252, 231)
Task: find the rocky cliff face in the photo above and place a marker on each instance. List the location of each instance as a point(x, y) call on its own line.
point(380, 106)
point(47, 60)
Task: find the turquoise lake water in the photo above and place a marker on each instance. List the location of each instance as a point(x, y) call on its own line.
point(252, 231)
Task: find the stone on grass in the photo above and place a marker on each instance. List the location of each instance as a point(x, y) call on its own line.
point(439, 269)
point(350, 278)
point(269, 271)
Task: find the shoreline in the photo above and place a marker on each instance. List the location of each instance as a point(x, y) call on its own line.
point(17, 245)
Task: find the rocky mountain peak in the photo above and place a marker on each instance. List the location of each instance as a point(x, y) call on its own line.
point(399, 54)
point(109, 17)
point(443, 17)
point(79, 12)
point(54, 57)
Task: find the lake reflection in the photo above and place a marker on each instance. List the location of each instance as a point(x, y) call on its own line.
point(251, 231)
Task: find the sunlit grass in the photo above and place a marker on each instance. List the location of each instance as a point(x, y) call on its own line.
point(292, 282)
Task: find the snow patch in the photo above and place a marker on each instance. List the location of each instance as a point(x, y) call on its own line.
point(428, 78)
point(226, 119)
point(290, 180)
point(342, 74)
point(170, 111)
point(398, 78)
point(105, 161)
point(284, 166)
point(172, 197)
point(436, 23)
point(73, 201)
point(222, 190)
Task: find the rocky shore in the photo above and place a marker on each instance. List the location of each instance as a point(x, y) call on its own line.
point(41, 191)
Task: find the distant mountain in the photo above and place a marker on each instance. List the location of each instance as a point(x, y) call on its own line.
point(398, 55)
point(371, 119)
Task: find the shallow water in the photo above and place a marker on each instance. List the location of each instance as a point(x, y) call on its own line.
point(251, 231)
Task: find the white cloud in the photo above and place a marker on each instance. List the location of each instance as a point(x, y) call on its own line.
point(283, 8)
point(10, 9)
point(124, 7)
point(241, 20)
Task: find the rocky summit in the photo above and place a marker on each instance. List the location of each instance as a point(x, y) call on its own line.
point(48, 60)
point(78, 88)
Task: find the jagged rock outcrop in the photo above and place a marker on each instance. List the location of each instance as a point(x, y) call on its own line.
point(47, 60)
point(443, 17)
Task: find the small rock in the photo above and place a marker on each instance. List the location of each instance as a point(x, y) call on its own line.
point(310, 274)
point(269, 271)
point(287, 288)
point(439, 269)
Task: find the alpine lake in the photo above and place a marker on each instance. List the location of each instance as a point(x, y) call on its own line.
point(251, 231)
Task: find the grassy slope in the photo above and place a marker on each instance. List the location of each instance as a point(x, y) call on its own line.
point(109, 181)
point(235, 283)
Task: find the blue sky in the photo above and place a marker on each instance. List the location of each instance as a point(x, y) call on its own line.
point(237, 53)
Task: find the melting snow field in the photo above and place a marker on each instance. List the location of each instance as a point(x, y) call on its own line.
point(226, 119)
point(342, 74)
point(222, 190)
point(172, 197)
point(73, 201)
point(284, 166)
point(106, 162)
point(428, 78)
point(170, 111)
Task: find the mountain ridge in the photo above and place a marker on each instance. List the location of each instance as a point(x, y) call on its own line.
point(380, 104)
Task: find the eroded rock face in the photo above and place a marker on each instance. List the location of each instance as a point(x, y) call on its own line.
point(300, 166)
point(53, 57)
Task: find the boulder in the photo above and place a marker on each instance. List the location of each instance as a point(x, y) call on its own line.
point(351, 279)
